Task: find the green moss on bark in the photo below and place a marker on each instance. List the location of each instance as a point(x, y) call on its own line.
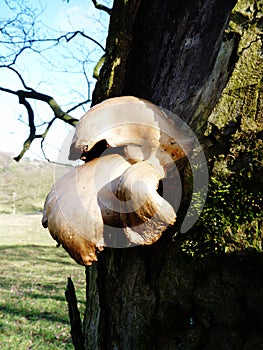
point(117, 51)
point(232, 219)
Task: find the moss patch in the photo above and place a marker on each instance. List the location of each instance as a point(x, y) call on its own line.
point(232, 218)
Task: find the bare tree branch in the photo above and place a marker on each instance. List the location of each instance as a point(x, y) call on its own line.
point(68, 37)
point(78, 105)
point(98, 66)
point(23, 32)
point(101, 7)
point(87, 79)
point(44, 134)
point(31, 123)
point(20, 77)
point(58, 114)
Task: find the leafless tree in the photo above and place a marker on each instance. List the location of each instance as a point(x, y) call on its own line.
point(24, 33)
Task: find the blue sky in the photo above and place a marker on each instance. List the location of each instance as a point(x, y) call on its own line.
point(47, 74)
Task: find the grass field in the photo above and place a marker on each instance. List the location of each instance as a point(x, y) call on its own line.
point(33, 278)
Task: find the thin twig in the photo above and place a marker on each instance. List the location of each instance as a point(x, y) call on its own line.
point(101, 7)
point(68, 37)
point(78, 105)
point(58, 114)
point(20, 77)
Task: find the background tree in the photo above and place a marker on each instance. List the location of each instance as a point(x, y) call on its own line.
point(63, 50)
point(201, 290)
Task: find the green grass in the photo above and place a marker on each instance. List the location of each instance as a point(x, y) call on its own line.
point(33, 277)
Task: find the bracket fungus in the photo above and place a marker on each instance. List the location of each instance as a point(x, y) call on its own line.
point(113, 200)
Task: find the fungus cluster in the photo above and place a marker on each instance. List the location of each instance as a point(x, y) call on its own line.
point(112, 199)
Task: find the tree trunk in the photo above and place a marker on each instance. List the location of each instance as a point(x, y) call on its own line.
point(201, 290)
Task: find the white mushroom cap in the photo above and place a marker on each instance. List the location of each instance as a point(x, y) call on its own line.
point(71, 211)
point(113, 191)
point(106, 191)
point(147, 214)
point(137, 124)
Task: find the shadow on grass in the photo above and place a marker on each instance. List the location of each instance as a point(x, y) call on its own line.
point(36, 253)
point(33, 314)
point(32, 283)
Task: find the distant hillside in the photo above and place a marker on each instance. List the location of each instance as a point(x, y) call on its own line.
point(24, 185)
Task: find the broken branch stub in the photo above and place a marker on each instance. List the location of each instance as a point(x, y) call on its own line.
point(113, 200)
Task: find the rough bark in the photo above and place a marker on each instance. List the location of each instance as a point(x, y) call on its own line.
point(174, 54)
point(201, 290)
